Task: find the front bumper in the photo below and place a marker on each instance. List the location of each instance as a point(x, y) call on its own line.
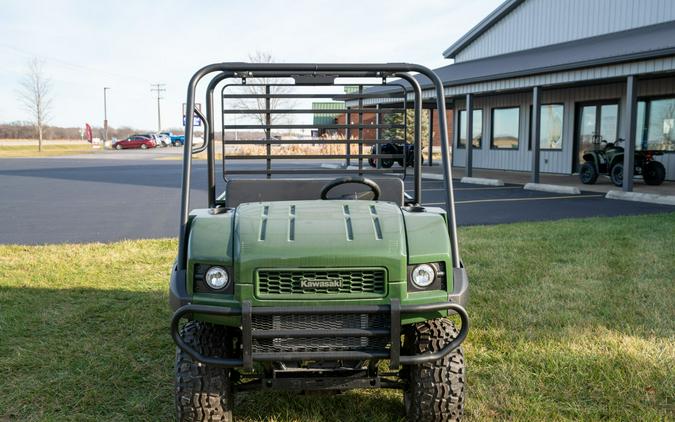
point(393, 354)
point(180, 302)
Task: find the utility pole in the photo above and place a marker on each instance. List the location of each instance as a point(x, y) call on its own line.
point(105, 115)
point(158, 88)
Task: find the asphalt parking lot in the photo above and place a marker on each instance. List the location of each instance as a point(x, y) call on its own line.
point(48, 200)
point(477, 204)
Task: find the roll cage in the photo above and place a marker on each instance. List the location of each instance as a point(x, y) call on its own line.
point(318, 76)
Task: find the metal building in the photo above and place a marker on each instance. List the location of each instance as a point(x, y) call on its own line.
point(596, 68)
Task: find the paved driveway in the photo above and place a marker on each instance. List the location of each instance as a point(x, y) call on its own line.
point(477, 204)
point(89, 199)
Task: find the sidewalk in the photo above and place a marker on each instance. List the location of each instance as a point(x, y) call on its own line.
point(603, 184)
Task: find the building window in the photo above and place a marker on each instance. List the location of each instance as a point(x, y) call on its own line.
point(656, 125)
point(550, 131)
point(477, 128)
point(505, 125)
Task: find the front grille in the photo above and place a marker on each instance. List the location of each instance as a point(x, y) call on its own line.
point(319, 322)
point(318, 344)
point(302, 282)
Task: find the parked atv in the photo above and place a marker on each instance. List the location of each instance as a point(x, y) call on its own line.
point(608, 160)
point(394, 149)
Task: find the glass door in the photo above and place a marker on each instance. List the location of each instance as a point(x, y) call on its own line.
point(597, 123)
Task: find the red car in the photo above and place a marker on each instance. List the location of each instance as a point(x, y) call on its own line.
point(135, 141)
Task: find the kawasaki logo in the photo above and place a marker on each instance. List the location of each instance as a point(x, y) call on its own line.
point(314, 283)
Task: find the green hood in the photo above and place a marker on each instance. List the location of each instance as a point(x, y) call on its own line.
point(323, 234)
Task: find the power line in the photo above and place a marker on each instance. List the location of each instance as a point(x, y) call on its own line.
point(158, 88)
point(65, 63)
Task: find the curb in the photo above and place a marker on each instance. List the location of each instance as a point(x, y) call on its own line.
point(432, 176)
point(482, 181)
point(651, 198)
point(338, 166)
point(332, 166)
point(542, 187)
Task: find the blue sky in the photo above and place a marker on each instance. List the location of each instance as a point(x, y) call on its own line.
point(127, 45)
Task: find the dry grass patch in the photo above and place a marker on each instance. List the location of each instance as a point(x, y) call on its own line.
point(31, 151)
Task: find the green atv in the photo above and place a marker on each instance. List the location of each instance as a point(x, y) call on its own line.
point(607, 158)
point(325, 278)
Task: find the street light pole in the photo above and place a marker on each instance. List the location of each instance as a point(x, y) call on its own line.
point(105, 115)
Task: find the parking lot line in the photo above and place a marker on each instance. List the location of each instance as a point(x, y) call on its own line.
point(463, 189)
point(517, 199)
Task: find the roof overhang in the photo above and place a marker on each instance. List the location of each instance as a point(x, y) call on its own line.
point(643, 43)
point(475, 32)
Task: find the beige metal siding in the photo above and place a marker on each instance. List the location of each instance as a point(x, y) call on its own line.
point(537, 23)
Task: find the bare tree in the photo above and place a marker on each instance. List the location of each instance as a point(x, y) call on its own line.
point(253, 87)
point(35, 95)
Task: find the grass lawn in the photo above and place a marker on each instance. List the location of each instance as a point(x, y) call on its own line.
point(31, 151)
point(572, 320)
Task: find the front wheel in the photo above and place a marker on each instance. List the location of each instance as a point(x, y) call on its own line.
point(143, 146)
point(434, 391)
point(387, 163)
point(588, 174)
point(203, 393)
point(654, 173)
point(411, 162)
point(118, 147)
point(616, 174)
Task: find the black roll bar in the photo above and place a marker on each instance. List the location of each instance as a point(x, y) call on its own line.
point(240, 69)
point(417, 90)
point(211, 152)
point(204, 145)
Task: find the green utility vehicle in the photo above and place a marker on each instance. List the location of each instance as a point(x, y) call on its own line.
point(303, 274)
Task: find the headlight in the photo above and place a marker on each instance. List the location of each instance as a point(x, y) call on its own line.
point(216, 278)
point(423, 275)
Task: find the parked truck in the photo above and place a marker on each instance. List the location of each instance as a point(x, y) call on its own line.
point(176, 140)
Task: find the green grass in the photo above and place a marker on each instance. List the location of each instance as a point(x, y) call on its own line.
point(31, 151)
point(572, 320)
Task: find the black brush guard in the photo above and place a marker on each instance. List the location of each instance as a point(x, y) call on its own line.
point(248, 356)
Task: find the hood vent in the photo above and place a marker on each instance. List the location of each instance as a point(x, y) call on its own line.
point(263, 222)
point(376, 222)
point(291, 223)
point(348, 222)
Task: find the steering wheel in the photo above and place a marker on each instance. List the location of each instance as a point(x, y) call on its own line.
point(374, 188)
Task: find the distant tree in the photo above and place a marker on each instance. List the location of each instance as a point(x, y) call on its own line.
point(397, 119)
point(254, 104)
point(35, 95)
